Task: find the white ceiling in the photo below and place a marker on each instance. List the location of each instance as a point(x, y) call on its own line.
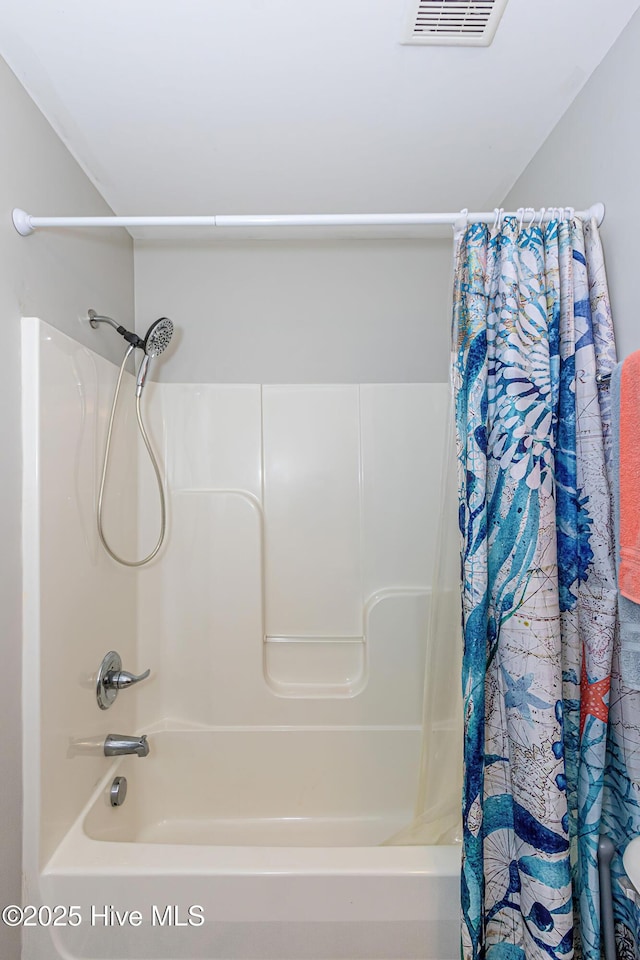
point(299, 106)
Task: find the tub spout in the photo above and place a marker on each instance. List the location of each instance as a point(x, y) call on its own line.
point(118, 745)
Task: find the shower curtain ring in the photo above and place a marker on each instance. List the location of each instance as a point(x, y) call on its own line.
point(520, 216)
point(463, 220)
point(532, 211)
point(496, 213)
point(543, 210)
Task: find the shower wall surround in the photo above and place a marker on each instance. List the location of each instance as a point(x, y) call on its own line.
point(87, 604)
point(294, 586)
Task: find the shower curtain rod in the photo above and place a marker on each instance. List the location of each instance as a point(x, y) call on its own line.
point(26, 224)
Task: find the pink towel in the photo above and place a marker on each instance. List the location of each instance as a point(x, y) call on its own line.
point(629, 572)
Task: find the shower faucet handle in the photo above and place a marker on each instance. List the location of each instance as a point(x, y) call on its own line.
point(122, 678)
point(111, 678)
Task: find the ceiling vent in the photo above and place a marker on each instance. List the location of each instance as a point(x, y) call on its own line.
point(463, 23)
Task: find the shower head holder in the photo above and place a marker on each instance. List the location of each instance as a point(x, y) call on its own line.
point(132, 338)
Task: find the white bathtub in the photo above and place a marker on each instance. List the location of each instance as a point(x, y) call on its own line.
point(284, 861)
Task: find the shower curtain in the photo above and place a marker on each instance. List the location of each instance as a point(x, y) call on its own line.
point(531, 329)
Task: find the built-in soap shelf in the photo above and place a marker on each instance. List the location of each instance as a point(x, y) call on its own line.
point(391, 651)
point(336, 664)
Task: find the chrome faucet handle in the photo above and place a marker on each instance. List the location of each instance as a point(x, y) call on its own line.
point(111, 678)
point(122, 678)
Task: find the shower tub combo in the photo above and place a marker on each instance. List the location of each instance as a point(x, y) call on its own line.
point(284, 720)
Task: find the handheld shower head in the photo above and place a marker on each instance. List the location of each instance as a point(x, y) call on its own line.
point(156, 341)
point(158, 337)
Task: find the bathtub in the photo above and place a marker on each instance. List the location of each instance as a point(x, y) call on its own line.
point(235, 844)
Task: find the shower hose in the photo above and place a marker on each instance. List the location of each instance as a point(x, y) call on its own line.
point(154, 464)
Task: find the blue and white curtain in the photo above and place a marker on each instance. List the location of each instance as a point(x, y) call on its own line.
point(532, 328)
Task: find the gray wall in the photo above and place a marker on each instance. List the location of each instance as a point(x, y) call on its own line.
point(56, 276)
point(594, 154)
point(310, 311)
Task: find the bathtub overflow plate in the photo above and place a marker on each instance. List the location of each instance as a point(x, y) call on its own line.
point(118, 791)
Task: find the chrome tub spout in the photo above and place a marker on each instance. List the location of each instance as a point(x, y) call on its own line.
point(118, 745)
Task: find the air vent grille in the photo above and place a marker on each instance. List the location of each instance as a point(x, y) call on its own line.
point(454, 22)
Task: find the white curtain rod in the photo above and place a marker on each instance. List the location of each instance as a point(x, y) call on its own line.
point(25, 224)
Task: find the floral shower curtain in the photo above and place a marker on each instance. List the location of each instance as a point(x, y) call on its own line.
point(532, 327)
